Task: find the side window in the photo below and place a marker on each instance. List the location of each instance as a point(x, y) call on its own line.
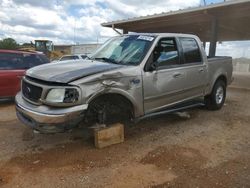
point(166, 53)
point(11, 61)
point(43, 58)
point(32, 60)
point(84, 56)
point(191, 50)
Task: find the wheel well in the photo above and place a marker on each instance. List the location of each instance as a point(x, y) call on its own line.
point(116, 99)
point(223, 78)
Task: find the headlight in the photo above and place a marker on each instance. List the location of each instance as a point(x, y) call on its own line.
point(63, 95)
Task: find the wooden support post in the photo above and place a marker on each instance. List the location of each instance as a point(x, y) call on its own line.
point(107, 136)
point(204, 45)
point(213, 37)
point(124, 31)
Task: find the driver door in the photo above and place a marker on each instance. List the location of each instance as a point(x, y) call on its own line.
point(164, 77)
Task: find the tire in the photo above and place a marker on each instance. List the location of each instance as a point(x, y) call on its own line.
point(216, 99)
point(107, 111)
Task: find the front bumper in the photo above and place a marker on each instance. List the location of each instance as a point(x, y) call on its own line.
point(47, 119)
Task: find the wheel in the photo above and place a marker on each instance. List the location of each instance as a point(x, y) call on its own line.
point(216, 99)
point(107, 111)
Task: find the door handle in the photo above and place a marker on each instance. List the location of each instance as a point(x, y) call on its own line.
point(177, 75)
point(201, 70)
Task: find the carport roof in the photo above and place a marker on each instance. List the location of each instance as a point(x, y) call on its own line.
point(233, 21)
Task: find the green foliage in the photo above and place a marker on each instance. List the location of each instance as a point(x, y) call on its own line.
point(8, 43)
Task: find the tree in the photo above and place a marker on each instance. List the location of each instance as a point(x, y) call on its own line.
point(8, 43)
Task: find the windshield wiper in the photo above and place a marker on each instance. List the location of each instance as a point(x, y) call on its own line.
point(106, 60)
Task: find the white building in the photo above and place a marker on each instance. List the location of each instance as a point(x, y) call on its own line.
point(84, 48)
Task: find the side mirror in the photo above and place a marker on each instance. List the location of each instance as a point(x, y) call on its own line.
point(153, 66)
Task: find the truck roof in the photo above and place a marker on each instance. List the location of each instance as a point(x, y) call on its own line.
point(165, 34)
point(162, 34)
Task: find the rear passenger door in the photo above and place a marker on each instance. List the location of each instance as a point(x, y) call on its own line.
point(194, 66)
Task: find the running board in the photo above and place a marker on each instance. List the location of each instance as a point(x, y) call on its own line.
point(168, 111)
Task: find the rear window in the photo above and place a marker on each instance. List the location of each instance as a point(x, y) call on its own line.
point(11, 61)
point(69, 57)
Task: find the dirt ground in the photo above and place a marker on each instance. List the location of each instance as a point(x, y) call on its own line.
point(201, 149)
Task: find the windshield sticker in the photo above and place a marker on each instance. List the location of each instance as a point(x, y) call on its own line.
point(148, 38)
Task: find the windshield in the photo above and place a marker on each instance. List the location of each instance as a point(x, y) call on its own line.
point(124, 50)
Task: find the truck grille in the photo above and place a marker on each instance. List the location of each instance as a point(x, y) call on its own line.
point(31, 92)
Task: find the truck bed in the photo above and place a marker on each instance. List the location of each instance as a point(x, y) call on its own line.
point(219, 58)
point(219, 65)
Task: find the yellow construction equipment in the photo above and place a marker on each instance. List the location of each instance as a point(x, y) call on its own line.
point(45, 46)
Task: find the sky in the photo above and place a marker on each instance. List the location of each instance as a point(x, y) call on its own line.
point(78, 21)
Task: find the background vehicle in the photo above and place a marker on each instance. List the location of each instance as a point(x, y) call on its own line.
point(131, 76)
point(71, 57)
point(13, 65)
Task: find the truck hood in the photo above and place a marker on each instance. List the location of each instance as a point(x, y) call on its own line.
point(69, 71)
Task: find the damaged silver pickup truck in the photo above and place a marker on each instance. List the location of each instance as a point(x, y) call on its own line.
point(130, 77)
